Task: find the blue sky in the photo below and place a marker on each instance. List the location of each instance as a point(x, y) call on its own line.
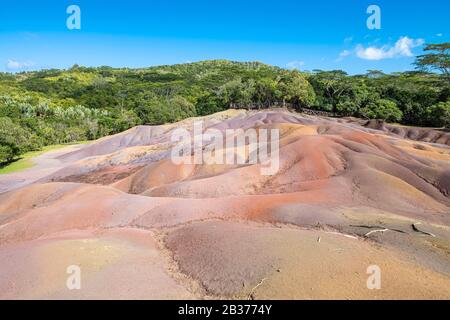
point(288, 33)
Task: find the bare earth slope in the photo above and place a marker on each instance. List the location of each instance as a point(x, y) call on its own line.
point(348, 195)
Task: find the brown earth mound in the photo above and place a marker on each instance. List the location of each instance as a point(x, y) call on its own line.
point(348, 194)
point(440, 136)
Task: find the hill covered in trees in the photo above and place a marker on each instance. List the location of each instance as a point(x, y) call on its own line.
point(62, 106)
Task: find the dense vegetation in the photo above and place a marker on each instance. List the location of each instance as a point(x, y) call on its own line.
point(62, 106)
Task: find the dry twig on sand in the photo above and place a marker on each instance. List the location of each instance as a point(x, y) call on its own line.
point(379, 229)
point(415, 228)
point(373, 231)
point(251, 296)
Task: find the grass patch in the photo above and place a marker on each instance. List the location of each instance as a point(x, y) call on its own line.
point(25, 160)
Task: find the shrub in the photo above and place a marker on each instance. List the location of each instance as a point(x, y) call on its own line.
point(382, 109)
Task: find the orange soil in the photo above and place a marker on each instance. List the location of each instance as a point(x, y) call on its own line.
point(120, 206)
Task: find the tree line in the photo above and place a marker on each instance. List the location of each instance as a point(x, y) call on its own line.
point(62, 106)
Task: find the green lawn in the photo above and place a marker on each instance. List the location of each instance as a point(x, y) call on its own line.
point(24, 162)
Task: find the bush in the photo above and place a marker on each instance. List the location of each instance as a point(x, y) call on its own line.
point(296, 90)
point(382, 109)
point(347, 108)
point(439, 115)
point(14, 140)
point(159, 110)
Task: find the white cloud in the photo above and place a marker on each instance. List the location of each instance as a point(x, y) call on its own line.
point(344, 54)
point(15, 65)
point(402, 48)
point(439, 35)
point(295, 64)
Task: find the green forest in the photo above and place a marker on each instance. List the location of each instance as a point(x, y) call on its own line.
point(62, 106)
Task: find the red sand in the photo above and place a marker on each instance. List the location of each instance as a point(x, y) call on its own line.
point(121, 206)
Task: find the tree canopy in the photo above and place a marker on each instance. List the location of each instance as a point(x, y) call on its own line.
point(61, 106)
point(438, 58)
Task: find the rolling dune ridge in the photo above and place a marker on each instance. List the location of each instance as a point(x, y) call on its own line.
point(348, 194)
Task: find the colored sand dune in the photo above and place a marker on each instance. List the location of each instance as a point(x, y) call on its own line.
point(348, 194)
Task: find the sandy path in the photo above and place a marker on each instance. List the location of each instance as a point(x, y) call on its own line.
point(44, 165)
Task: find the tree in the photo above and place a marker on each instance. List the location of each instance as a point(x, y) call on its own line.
point(266, 92)
point(438, 59)
point(158, 110)
point(57, 106)
point(209, 104)
point(297, 90)
point(330, 86)
point(374, 74)
point(13, 140)
point(180, 108)
point(230, 93)
point(439, 115)
point(347, 107)
point(151, 110)
point(382, 109)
